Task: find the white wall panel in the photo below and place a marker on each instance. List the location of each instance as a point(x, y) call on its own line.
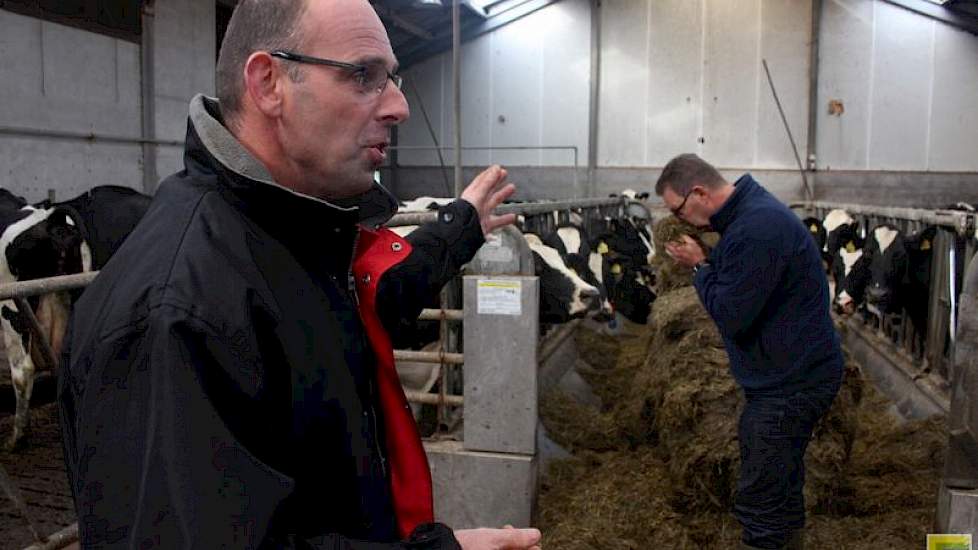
point(730, 81)
point(845, 63)
point(476, 100)
point(954, 113)
point(673, 71)
point(184, 51)
point(565, 33)
point(785, 35)
point(425, 78)
point(517, 84)
point(624, 83)
point(900, 89)
point(21, 53)
point(675, 79)
point(63, 78)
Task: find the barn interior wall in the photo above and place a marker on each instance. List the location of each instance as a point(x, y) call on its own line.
point(59, 78)
point(686, 76)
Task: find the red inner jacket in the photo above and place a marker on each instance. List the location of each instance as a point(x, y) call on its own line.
point(410, 477)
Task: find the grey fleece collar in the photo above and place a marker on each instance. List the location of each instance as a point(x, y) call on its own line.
point(375, 207)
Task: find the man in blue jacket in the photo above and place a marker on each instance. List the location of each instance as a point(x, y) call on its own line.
point(764, 287)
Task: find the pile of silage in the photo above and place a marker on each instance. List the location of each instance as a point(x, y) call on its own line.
point(871, 480)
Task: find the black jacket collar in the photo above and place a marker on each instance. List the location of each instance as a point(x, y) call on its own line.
point(743, 187)
point(212, 148)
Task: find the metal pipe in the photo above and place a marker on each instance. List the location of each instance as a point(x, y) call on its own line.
point(594, 99)
point(441, 314)
point(429, 357)
point(90, 137)
point(457, 93)
point(58, 540)
point(40, 339)
point(813, 85)
point(44, 286)
point(527, 209)
point(951, 276)
point(961, 222)
point(804, 178)
point(434, 398)
point(147, 91)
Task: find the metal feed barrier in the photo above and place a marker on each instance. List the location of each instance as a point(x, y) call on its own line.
point(498, 311)
point(946, 369)
point(914, 372)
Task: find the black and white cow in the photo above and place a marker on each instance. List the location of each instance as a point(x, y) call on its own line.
point(48, 240)
point(841, 231)
point(892, 276)
point(564, 295)
point(817, 231)
point(574, 246)
point(851, 276)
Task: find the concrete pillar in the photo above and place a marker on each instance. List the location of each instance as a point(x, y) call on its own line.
point(490, 478)
point(957, 510)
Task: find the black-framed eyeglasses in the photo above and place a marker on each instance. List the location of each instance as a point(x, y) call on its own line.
point(678, 211)
point(369, 78)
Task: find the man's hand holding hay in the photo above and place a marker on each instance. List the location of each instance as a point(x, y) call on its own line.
point(686, 251)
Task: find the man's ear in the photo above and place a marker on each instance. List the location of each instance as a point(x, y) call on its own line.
point(263, 83)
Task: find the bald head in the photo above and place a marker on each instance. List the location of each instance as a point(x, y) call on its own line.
point(256, 25)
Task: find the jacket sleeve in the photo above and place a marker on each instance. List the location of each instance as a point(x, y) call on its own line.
point(156, 451)
point(736, 286)
point(439, 249)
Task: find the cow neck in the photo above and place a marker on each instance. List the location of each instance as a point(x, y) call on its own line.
point(723, 217)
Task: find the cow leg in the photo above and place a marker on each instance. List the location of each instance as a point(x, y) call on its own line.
point(22, 377)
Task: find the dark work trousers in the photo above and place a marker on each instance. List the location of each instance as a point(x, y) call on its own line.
point(773, 434)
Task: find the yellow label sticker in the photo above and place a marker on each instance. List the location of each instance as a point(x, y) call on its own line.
point(616, 269)
point(948, 542)
point(925, 245)
point(602, 248)
point(850, 246)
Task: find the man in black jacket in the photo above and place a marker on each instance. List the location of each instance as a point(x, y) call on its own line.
point(764, 287)
point(228, 380)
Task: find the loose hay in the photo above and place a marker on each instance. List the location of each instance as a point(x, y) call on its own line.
point(614, 501)
point(669, 438)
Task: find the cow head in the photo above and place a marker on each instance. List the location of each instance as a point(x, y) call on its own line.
point(887, 269)
point(851, 273)
point(572, 243)
point(817, 231)
point(630, 290)
point(841, 232)
point(563, 294)
point(920, 255)
point(47, 243)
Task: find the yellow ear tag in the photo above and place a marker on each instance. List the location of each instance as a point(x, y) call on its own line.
point(602, 248)
point(813, 228)
point(850, 247)
point(616, 269)
point(925, 245)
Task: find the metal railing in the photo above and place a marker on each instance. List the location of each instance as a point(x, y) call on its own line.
point(930, 349)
